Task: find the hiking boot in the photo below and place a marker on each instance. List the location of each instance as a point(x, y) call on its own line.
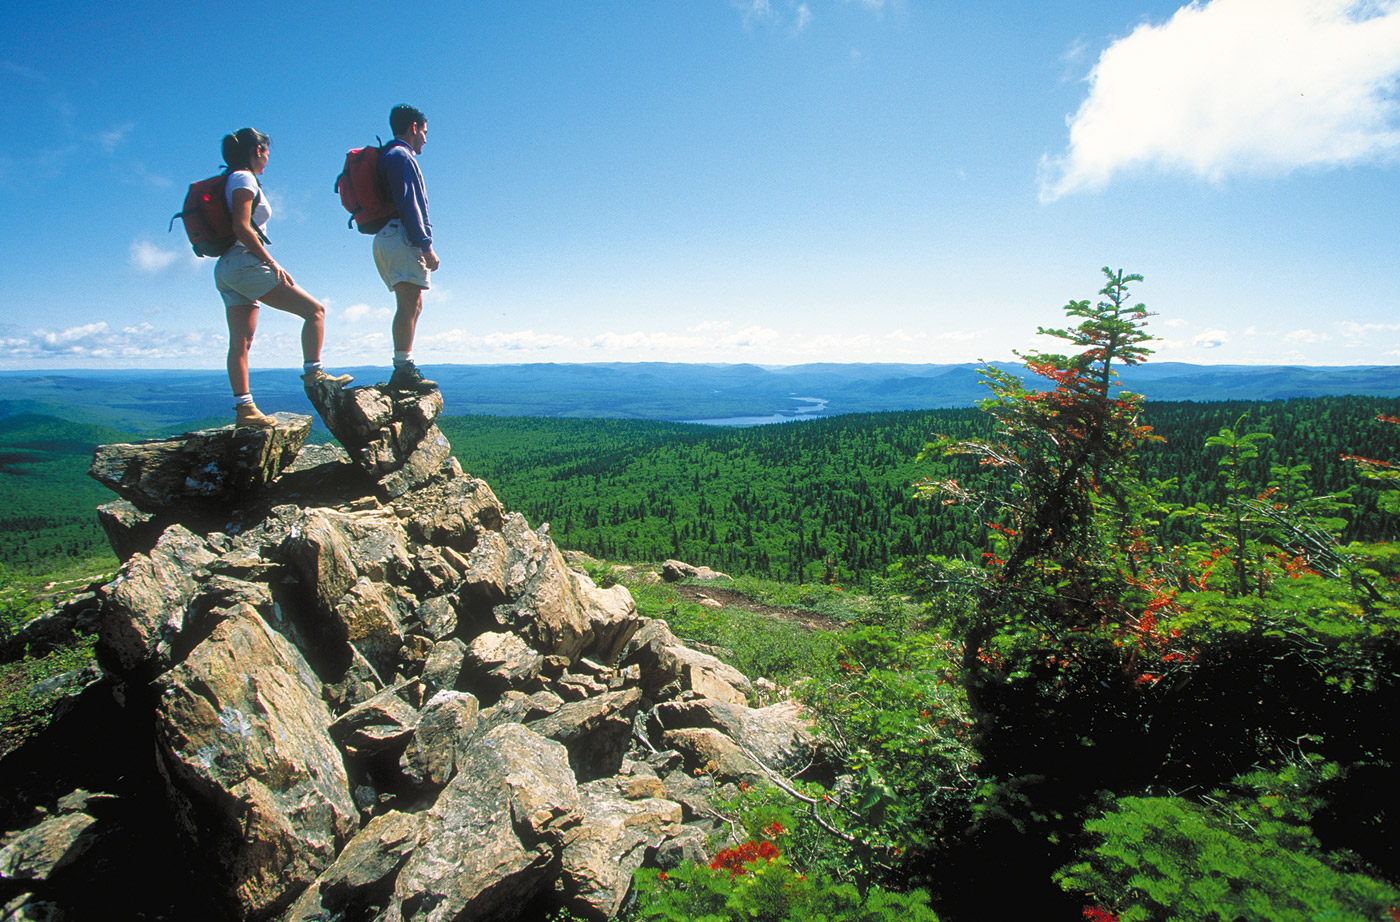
point(248, 415)
point(407, 377)
point(319, 378)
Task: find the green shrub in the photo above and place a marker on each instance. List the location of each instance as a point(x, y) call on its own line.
point(754, 882)
point(1167, 858)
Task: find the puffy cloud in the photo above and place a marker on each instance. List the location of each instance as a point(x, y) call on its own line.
point(139, 343)
point(149, 258)
point(1210, 339)
point(357, 312)
point(1239, 86)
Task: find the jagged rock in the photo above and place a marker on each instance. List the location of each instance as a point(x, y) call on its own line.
point(318, 549)
point(496, 662)
point(609, 844)
point(572, 687)
point(37, 853)
point(444, 664)
point(490, 840)
point(286, 613)
point(331, 552)
point(452, 515)
point(675, 570)
point(612, 617)
point(438, 617)
point(547, 605)
point(392, 436)
point(357, 684)
point(423, 464)
point(130, 530)
point(382, 723)
point(484, 580)
point(143, 609)
point(595, 731)
point(212, 469)
point(709, 752)
point(778, 735)
point(664, 660)
point(441, 738)
point(255, 778)
point(361, 881)
point(432, 574)
point(369, 617)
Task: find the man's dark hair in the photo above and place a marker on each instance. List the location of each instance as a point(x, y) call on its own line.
point(403, 117)
point(240, 146)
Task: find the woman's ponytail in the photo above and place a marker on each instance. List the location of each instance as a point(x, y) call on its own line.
point(240, 146)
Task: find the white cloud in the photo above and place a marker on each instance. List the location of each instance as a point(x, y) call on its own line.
point(1239, 86)
point(111, 139)
point(357, 312)
point(1210, 339)
point(1353, 330)
point(149, 258)
point(139, 343)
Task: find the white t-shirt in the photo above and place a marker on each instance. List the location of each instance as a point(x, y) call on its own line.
point(243, 179)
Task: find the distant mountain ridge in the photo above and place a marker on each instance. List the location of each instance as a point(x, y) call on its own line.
point(147, 400)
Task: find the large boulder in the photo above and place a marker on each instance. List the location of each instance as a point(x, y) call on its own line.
point(670, 668)
point(391, 435)
point(258, 785)
point(211, 470)
point(491, 839)
point(560, 612)
point(611, 841)
point(143, 610)
point(360, 883)
point(779, 735)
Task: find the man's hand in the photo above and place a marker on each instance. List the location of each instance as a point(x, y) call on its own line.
point(430, 259)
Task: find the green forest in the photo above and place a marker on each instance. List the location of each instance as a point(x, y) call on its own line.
point(832, 500)
point(1096, 659)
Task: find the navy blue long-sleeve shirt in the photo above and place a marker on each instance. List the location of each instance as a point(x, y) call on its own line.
point(405, 182)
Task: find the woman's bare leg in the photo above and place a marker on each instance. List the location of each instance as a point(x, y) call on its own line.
point(294, 300)
point(242, 324)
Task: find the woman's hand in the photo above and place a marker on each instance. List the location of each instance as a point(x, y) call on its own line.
point(283, 276)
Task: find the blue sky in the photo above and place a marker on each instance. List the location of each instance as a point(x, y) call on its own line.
point(762, 181)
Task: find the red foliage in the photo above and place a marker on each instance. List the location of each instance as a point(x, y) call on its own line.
point(734, 859)
point(1098, 914)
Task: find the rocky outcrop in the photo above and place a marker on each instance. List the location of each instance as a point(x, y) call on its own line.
point(212, 469)
point(387, 699)
point(393, 436)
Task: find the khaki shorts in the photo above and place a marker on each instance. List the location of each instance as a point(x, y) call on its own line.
point(242, 278)
point(396, 259)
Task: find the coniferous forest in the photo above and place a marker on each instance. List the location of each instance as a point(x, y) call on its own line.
point(1117, 661)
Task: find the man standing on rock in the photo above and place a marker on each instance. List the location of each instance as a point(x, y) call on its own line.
point(403, 249)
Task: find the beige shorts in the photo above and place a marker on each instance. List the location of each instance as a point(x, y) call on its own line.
point(396, 259)
point(242, 278)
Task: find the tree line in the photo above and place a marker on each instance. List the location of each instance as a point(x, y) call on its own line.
point(833, 500)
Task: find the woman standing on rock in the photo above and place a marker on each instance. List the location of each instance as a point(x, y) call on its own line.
point(247, 274)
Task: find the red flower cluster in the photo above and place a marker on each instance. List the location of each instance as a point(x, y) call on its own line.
point(734, 859)
point(1098, 914)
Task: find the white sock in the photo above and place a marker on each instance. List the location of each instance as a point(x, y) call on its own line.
point(243, 400)
point(402, 358)
point(308, 367)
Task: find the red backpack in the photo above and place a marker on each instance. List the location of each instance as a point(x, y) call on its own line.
point(208, 222)
point(363, 192)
